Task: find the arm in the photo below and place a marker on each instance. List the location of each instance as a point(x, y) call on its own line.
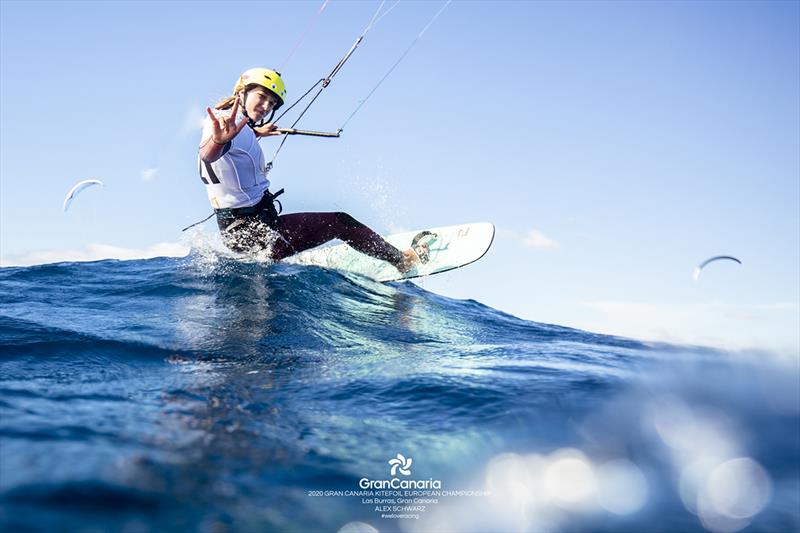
point(223, 130)
point(210, 150)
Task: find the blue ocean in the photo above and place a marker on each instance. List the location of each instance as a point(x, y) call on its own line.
point(182, 394)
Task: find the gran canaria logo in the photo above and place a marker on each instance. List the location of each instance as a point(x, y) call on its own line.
point(402, 464)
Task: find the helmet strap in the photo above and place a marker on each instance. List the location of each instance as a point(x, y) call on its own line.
point(263, 121)
point(243, 106)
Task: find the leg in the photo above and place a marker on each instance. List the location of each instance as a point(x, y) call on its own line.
point(301, 231)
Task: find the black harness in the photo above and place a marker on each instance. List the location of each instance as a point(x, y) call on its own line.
point(264, 211)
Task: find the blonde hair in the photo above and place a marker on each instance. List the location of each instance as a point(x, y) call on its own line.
point(226, 103)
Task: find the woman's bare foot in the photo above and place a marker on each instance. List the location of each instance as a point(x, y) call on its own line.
point(410, 260)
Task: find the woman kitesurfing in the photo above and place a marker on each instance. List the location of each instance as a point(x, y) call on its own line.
point(233, 169)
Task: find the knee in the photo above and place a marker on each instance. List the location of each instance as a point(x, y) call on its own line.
point(346, 221)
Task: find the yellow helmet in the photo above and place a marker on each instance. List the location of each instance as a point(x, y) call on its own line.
point(269, 79)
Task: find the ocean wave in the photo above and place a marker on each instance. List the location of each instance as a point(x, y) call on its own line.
point(206, 392)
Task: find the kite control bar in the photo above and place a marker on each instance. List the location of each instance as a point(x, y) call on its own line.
point(292, 131)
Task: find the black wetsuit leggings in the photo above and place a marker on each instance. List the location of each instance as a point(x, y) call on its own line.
point(300, 231)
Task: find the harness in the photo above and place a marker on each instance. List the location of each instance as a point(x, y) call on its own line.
point(266, 202)
point(264, 211)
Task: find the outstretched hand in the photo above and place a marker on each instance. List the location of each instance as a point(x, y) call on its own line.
point(224, 128)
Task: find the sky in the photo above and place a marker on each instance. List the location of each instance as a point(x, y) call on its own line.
point(614, 145)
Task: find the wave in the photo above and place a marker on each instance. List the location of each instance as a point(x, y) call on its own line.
point(210, 309)
point(206, 392)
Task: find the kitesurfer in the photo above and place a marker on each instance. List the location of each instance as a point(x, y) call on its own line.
point(233, 169)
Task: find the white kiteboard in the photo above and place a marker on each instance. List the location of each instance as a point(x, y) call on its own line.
point(439, 249)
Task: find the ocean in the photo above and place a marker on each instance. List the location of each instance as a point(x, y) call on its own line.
point(188, 394)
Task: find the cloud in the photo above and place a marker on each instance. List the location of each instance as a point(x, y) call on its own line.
point(537, 239)
point(766, 326)
point(193, 120)
point(149, 174)
point(96, 252)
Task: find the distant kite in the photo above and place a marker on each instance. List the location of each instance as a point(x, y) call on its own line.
point(78, 188)
point(701, 266)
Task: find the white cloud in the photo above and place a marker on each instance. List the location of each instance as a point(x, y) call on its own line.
point(770, 326)
point(537, 239)
point(96, 252)
point(149, 174)
point(193, 120)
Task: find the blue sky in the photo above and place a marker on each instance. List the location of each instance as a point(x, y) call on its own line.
point(615, 145)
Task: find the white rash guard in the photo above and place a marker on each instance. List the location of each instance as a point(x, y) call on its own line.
point(238, 178)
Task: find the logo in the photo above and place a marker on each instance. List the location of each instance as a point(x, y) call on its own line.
point(421, 244)
point(402, 464)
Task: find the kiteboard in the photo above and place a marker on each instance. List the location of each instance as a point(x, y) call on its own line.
point(439, 250)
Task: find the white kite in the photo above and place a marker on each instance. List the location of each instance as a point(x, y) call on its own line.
point(78, 188)
point(698, 268)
